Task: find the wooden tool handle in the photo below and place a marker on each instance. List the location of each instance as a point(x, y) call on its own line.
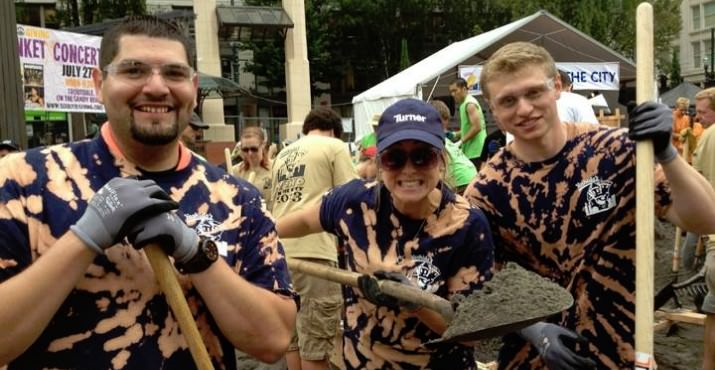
point(416, 295)
point(678, 232)
point(166, 277)
point(392, 288)
point(229, 163)
point(324, 272)
point(645, 90)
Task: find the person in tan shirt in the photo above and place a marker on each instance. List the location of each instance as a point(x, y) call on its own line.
point(301, 174)
point(704, 162)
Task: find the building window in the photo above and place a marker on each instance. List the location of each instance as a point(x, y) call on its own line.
point(709, 14)
point(697, 57)
point(695, 11)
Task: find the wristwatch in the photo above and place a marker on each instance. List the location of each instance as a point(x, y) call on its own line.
point(206, 255)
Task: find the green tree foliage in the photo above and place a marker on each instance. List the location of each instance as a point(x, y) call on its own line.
point(361, 40)
point(674, 76)
point(73, 13)
point(404, 56)
point(611, 22)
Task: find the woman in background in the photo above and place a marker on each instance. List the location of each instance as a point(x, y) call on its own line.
point(255, 166)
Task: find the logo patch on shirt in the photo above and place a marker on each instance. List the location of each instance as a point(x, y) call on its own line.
point(598, 195)
point(425, 273)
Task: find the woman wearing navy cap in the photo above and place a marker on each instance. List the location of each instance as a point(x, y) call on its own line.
point(409, 227)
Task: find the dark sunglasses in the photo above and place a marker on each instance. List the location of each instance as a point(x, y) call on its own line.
point(251, 149)
point(422, 158)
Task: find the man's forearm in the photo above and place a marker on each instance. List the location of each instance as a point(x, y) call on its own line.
point(257, 321)
point(693, 197)
point(37, 293)
point(473, 131)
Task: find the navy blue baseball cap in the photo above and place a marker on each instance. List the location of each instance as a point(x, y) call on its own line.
point(410, 119)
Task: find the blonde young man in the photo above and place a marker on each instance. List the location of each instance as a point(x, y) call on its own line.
point(301, 174)
point(561, 202)
point(76, 216)
point(704, 162)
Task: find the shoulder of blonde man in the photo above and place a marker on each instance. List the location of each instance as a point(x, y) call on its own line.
point(710, 263)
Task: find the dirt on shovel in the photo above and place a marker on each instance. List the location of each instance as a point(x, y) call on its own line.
point(513, 299)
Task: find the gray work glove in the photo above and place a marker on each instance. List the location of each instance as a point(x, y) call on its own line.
point(170, 232)
point(549, 341)
point(370, 288)
point(653, 121)
point(116, 208)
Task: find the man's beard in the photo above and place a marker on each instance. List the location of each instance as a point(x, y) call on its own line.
point(154, 135)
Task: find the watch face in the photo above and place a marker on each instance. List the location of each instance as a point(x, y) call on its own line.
point(210, 250)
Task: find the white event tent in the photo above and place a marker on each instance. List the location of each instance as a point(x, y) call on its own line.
point(432, 75)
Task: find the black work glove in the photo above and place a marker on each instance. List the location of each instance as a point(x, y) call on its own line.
point(370, 288)
point(167, 229)
point(116, 208)
point(653, 121)
point(549, 340)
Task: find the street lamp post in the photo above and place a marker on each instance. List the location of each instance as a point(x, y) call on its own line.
point(710, 62)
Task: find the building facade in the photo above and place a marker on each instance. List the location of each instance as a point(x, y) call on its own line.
point(694, 45)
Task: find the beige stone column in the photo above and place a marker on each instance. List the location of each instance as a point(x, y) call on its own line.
point(208, 61)
point(297, 70)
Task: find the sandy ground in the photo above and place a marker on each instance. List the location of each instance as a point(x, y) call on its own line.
point(680, 348)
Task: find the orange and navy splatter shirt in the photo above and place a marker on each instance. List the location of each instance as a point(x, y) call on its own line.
point(571, 219)
point(116, 317)
point(448, 253)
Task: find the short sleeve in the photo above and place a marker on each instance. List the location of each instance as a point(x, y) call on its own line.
point(14, 241)
point(261, 257)
point(335, 202)
point(474, 263)
point(663, 199)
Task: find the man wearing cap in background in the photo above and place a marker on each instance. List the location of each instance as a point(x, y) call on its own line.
point(367, 151)
point(194, 132)
point(8, 146)
point(369, 140)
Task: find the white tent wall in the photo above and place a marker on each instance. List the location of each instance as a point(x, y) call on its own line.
point(433, 74)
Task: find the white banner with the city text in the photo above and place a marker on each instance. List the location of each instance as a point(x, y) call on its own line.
point(57, 68)
point(584, 76)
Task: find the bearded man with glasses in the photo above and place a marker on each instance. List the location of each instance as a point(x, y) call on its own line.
point(560, 199)
point(407, 226)
point(76, 216)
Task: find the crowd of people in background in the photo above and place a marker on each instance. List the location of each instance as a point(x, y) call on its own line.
point(418, 203)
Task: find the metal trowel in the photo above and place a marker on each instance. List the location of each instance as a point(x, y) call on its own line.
point(434, 302)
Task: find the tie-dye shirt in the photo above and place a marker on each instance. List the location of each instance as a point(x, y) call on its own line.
point(450, 252)
point(116, 317)
point(571, 218)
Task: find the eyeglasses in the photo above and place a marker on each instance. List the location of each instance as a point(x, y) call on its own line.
point(137, 72)
point(422, 158)
point(533, 94)
point(253, 149)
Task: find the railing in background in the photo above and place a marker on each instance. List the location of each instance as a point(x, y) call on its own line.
point(270, 124)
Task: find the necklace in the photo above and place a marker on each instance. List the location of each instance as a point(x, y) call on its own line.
point(413, 241)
